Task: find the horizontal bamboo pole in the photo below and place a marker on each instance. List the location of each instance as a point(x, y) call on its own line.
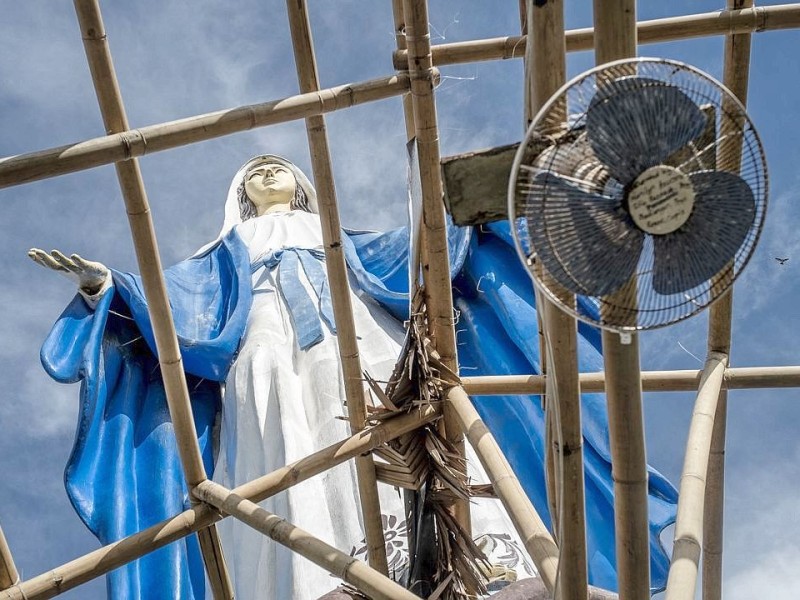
point(724, 22)
point(104, 78)
point(8, 571)
point(350, 570)
point(128, 144)
point(106, 559)
point(529, 525)
point(316, 131)
point(685, 562)
point(739, 378)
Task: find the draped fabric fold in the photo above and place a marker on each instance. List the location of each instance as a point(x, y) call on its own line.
point(124, 473)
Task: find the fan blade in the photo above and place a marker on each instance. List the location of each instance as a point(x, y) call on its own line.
point(635, 123)
point(724, 210)
point(586, 241)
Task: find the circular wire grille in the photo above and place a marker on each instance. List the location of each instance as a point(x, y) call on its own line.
point(639, 123)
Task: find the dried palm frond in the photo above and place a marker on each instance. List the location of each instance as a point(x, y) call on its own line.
point(445, 563)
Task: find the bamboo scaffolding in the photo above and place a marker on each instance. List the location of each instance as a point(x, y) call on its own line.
point(8, 571)
point(529, 525)
point(615, 38)
point(106, 559)
point(546, 68)
point(738, 378)
point(115, 120)
point(308, 79)
point(127, 144)
point(736, 71)
point(436, 259)
point(351, 570)
point(685, 561)
point(724, 22)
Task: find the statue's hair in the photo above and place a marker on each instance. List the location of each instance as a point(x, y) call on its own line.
point(247, 210)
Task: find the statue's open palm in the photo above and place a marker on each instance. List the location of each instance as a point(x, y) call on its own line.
point(89, 275)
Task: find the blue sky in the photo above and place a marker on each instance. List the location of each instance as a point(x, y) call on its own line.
point(176, 59)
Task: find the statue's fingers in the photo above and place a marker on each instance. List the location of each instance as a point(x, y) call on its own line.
point(81, 262)
point(44, 259)
point(65, 262)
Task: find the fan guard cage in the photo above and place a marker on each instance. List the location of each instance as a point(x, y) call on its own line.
point(556, 143)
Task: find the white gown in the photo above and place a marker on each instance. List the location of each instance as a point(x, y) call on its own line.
point(281, 404)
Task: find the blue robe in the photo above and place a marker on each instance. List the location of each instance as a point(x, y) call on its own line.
point(124, 473)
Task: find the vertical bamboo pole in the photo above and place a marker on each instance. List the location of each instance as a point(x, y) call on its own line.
point(530, 109)
point(735, 77)
point(436, 262)
point(308, 78)
point(8, 571)
point(689, 524)
point(130, 178)
point(615, 38)
point(546, 63)
point(713, 505)
point(400, 39)
point(375, 584)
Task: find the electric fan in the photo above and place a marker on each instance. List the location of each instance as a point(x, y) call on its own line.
point(640, 187)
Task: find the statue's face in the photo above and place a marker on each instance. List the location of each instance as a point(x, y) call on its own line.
point(270, 185)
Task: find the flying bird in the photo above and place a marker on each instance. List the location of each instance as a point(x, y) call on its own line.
point(782, 261)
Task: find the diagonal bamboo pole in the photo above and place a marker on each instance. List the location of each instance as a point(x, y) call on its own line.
point(106, 559)
point(615, 35)
point(350, 570)
point(337, 277)
point(547, 65)
point(739, 378)
point(735, 77)
point(685, 561)
point(8, 571)
point(128, 144)
point(529, 525)
point(436, 262)
point(723, 22)
point(130, 178)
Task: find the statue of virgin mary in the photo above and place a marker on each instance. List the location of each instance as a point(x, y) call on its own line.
point(254, 320)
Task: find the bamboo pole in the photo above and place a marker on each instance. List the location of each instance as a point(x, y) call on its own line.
point(615, 36)
point(351, 570)
point(689, 524)
point(529, 525)
point(436, 261)
point(109, 98)
point(713, 505)
point(308, 79)
point(128, 144)
point(106, 559)
point(416, 248)
point(546, 66)
point(736, 378)
point(736, 71)
point(400, 41)
point(8, 571)
point(724, 22)
point(531, 107)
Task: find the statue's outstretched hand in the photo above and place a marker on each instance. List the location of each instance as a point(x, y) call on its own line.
point(89, 275)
